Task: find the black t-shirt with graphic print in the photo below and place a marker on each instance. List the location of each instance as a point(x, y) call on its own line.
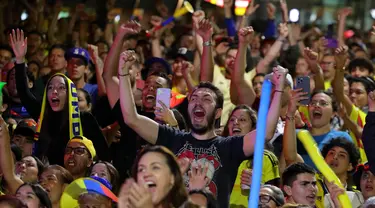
point(224, 155)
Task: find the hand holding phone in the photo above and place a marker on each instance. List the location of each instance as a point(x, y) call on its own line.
point(303, 82)
point(163, 95)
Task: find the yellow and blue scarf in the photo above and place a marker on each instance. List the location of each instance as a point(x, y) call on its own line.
point(75, 128)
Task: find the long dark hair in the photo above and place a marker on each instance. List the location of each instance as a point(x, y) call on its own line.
point(40, 193)
point(178, 194)
point(249, 110)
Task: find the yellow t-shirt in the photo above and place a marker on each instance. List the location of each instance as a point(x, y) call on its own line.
point(223, 84)
point(270, 171)
point(358, 117)
point(327, 85)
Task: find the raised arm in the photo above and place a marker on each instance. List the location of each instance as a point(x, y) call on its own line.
point(187, 70)
point(207, 62)
point(341, 56)
point(249, 11)
point(143, 126)
point(6, 160)
point(278, 80)
point(272, 54)
point(240, 90)
point(19, 46)
point(51, 28)
point(155, 38)
point(342, 14)
point(93, 50)
point(311, 58)
point(111, 63)
point(289, 138)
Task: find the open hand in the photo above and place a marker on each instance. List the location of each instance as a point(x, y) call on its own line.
point(198, 177)
point(251, 8)
point(271, 10)
point(19, 45)
point(344, 12)
point(283, 30)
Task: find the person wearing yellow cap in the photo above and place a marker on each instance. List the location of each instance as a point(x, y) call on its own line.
point(79, 156)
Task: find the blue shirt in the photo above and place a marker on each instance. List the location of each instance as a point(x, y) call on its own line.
point(321, 140)
point(92, 89)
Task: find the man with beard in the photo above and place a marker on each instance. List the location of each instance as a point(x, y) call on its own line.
point(221, 155)
point(79, 156)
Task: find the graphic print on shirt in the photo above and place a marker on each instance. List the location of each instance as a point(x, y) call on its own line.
point(202, 156)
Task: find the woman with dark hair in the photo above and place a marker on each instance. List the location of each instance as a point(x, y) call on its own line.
point(54, 179)
point(58, 114)
point(106, 170)
point(84, 100)
point(33, 195)
point(26, 170)
point(157, 169)
point(242, 120)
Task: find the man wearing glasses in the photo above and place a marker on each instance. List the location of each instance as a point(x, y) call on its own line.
point(79, 156)
point(270, 197)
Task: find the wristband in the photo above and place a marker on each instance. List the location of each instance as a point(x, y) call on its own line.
point(207, 43)
point(124, 75)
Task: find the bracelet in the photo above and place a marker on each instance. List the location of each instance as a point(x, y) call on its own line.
point(290, 118)
point(124, 75)
point(207, 43)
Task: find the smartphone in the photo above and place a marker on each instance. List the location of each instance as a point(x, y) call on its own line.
point(304, 83)
point(163, 95)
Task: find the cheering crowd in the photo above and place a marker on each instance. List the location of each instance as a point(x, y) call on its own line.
point(83, 122)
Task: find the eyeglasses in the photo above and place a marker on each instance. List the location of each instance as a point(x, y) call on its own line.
point(264, 199)
point(321, 103)
point(77, 150)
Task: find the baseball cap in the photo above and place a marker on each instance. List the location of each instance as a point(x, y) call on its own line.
point(185, 54)
point(26, 127)
point(149, 62)
point(78, 53)
point(88, 144)
point(289, 79)
point(81, 186)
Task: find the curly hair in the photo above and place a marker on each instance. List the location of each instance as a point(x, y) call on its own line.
point(350, 148)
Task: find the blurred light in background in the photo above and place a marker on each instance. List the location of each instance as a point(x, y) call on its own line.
point(24, 16)
point(117, 18)
point(63, 14)
point(294, 15)
point(372, 13)
point(313, 17)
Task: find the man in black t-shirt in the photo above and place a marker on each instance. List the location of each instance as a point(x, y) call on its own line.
point(223, 155)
